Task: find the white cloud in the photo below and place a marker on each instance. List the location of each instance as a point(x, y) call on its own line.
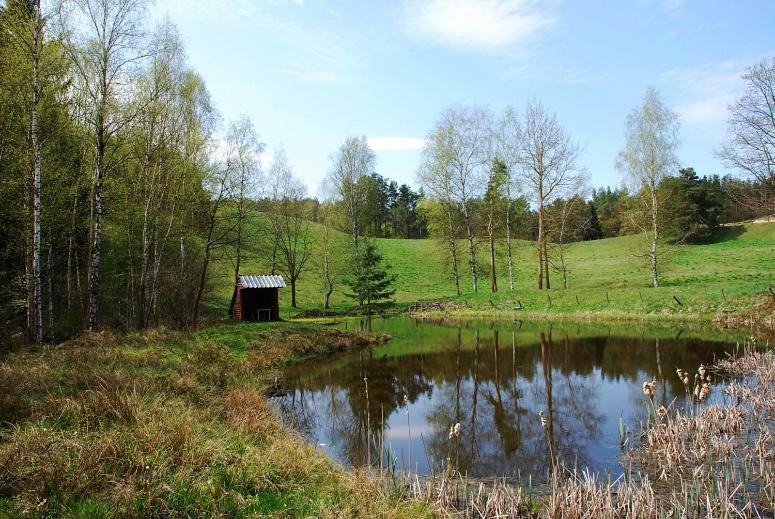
point(704, 92)
point(317, 54)
point(489, 25)
point(396, 143)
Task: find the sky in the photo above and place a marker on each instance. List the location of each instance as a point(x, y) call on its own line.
point(310, 73)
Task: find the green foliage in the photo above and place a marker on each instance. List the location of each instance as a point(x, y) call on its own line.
point(391, 210)
point(371, 283)
point(694, 204)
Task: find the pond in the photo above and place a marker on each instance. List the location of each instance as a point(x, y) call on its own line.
point(402, 398)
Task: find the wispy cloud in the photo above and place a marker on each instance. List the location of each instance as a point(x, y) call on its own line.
point(703, 93)
point(310, 53)
point(672, 8)
point(396, 143)
point(485, 25)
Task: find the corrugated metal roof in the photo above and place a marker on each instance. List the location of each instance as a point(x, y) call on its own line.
point(262, 281)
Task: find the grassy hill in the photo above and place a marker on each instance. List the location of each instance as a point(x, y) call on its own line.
point(606, 277)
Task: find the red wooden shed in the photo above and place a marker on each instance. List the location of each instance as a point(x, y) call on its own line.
point(256, 298)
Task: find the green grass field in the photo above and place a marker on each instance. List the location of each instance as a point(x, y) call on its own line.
point(607, 278)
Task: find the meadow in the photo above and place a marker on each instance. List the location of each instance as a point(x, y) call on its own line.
point(728, 274)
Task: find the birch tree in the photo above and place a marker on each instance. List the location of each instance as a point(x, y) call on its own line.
point(506, 139)
point(159, 128)
point(105, 45)
point(329, 251)
point(25, 24)
point(750, 148)
point(547, 163)
point(243, 158)
point(649, 156)
point(459, 151)
point(354, 161)
point(436, 178)
point(290, 223)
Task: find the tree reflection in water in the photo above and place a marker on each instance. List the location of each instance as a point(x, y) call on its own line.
point(493, 380)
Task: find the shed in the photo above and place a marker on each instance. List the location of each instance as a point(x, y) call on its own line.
point(256, 298)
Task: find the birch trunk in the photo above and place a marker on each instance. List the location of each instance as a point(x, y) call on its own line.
point(508, 244)
point(49, 275)
point(36, 181)
point(96, 258)
point(453, 249)
point(546, 265)
point(491, 232)
point(655, 236)
point(471, 247)
point(539, 244)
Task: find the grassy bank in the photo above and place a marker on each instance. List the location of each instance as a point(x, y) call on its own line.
point(723, 278)
point(172, 425)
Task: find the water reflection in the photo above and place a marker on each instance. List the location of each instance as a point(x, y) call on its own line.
point(494, 381)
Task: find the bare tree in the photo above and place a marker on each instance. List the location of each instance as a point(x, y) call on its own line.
point(648, 157)
point(507, 137)
point(219, 227)
point(458, 151)
point(547, 162)
point(329, 252)
point(354, 161)
point(290, 223)
point(243, 158)
point(104, 46)
point(751, 144)
point(436, 178)
point(563, 224)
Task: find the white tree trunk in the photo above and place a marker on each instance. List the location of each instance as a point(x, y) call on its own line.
point(471, 246)
point(655, 226)
point(36, 182)
point(508, 244)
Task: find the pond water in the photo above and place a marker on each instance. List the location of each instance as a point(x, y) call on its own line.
point(493, 379)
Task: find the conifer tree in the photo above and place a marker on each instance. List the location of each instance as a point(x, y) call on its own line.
point(372, 282)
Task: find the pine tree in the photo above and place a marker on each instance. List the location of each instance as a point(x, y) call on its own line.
point(372, 282)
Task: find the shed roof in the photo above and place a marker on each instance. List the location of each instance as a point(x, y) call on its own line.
point(262, 281)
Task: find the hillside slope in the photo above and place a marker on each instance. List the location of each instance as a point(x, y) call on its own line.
point(609, 275)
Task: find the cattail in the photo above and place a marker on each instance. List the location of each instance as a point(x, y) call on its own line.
point(454, 431)
point(650, 388)
point(704, 392)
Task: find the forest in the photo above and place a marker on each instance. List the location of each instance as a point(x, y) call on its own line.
point(123, 191)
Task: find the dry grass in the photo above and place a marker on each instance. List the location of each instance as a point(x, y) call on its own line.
point(248, 410)
point(167, 425)
point(708, 460)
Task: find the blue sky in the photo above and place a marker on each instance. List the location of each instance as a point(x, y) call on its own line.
point(312, 72)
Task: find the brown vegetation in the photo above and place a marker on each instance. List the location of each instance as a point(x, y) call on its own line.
point(167, 425)
point(708, 460)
